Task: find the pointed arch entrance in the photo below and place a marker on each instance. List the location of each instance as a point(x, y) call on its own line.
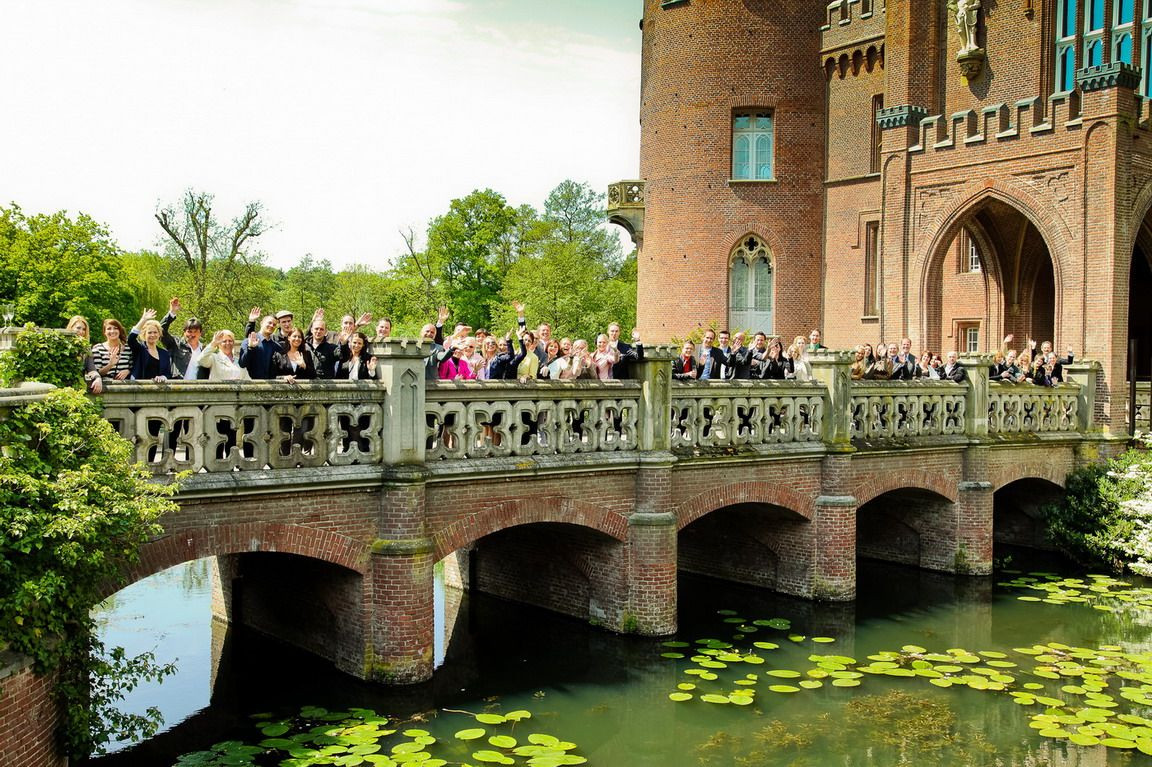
point(992, 274)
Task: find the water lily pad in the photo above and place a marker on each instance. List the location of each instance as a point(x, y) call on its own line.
point(784, 688)
point(673, 655)
point(810, 684)
point(471, 733)
point(845, 682)
point(503, 741)
point(490, 719)
point(824, 640)
point(713, 698)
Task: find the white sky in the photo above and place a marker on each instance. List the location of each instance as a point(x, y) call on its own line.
point(348, 119)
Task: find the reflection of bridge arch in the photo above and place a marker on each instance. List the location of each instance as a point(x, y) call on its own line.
point(904, 479)
point(266, 537)
point(737, 493)
point(515, 513)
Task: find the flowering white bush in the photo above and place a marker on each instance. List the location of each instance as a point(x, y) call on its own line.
point(1135, 540)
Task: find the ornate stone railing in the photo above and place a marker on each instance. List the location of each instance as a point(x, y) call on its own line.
point(903, 409)
point(496, 419)
point(1143, 405)
point(254, 433)
point(249, 426)
point(1024, 408)
point(737, 413)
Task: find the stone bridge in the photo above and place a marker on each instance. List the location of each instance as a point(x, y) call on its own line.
point(327, 505)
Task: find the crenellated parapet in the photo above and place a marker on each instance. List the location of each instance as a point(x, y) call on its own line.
point(852, 23)
point(1023, 121)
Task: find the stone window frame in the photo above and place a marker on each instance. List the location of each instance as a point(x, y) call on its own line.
point(750, 251)
point(754, 136)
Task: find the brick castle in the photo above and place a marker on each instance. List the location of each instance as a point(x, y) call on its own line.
point(881, 170)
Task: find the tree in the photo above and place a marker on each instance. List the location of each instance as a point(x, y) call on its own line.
point(577, 216)
point(215, 256)
point(469, 244)
point(53, 266)
point(306, 286)
point(74, 510)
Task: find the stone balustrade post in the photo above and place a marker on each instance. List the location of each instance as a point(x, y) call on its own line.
point(834, 371)
point(654, 421)
point(977, 366)
point(400, 369)
point(1085, 374)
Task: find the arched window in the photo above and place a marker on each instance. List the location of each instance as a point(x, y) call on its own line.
point(752, 146)
point(750, 286)
point(1093, 53)
point(1093, 32)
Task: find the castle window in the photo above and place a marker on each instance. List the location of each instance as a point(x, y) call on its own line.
point(972, 256)
point(872, 269)
point(1093, 33)
point(1122, 30)
point(1065, 45)
point(752, 146)
point(750, 286)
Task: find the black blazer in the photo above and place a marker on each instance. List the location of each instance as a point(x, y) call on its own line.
point(327, 356)
point(682, 369)
point(344, 369)
point(774, 369)
point(628, 355)
point(282, 367)
point(906, 371)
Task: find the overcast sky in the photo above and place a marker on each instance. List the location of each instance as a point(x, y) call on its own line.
point(348, 119)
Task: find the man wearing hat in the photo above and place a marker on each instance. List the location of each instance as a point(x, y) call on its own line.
point(185, 351)
point(284, 326)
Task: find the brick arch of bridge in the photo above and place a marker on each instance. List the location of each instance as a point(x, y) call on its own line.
point(1040, 208)
point(516, 512)
point(1055, 473)
point(219, 540)
point(736, 493)
point(914, 479)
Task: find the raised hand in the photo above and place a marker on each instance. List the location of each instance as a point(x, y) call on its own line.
point(372, 365)
point(149, 314)
point(442, 314)
point(519, 307)
point(364, 319)
point(174, 306)
point(317, 316)
point(253, 339)
point(254, 314)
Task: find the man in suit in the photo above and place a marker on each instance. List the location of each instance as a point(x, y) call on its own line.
point(953, 370)
point(434, 334)
point(904, 367)
point(185, 351)
point(740, 358)
point(324, 352)
point(628, 352)
point(257, 350)
point(710, 358)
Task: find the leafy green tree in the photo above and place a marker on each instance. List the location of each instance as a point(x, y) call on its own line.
point(220, 271)
point(306, 286)
point(150, 279)
point(576, 214)
point(53, 266)
point(74, 510)
point(469, 248)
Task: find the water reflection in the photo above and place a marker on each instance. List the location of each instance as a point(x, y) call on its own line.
point(609, 693)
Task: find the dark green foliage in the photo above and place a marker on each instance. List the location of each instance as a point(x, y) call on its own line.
point(53, 266)
point(47, 356)
point(1095, 522)
point(74, 510)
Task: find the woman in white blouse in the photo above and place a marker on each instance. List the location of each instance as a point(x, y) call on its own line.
point(220, 359)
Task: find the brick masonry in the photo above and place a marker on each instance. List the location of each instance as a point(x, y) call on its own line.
point(1053, 193)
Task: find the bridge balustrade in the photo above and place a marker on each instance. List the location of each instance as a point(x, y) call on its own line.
point(1020, 409)
point(746, 413)
point(902, 409)
point(497, 419)
point(341, 430)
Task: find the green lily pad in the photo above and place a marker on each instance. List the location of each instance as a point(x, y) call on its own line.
point(680, 696)
point(471, 734)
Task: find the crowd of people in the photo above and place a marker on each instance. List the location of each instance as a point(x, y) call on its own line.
point(275, 347)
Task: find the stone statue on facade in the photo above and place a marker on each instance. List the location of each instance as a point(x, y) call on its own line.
point(970, 57)
point(967, 16)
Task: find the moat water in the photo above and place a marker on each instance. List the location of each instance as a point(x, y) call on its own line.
point(609, 694)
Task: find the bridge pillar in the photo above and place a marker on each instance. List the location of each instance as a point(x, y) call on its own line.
point(399, 587)
point(652, 550)
point(974, 514)
point(834, 532)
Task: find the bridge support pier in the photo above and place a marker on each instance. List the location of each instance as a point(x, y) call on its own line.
point(651, 575)
point(834, 539)
point(399, 588)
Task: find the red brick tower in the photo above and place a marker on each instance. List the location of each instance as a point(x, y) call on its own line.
point(732, 146)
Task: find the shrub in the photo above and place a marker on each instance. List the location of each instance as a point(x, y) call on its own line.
point(44, 355)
